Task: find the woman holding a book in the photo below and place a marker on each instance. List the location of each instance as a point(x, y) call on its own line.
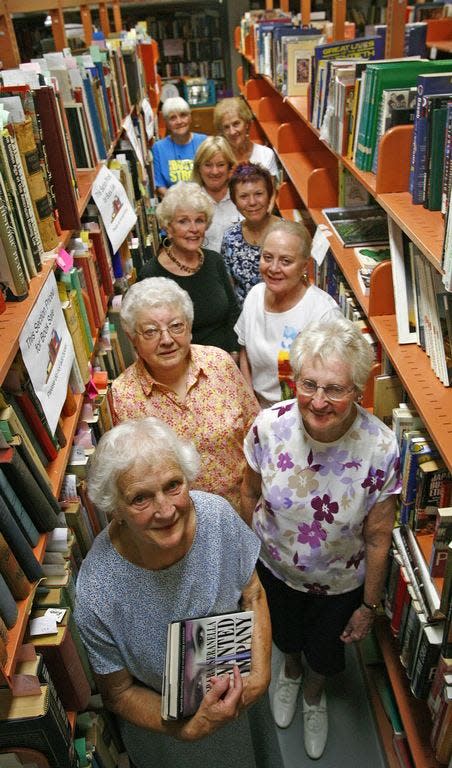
point(252, 191)
point(185, 213)
point(170, 554)
point(277, 309)
point(232, 119)
point(198, 390)
point(212, 168)
point(319, 492)
point(173, 156)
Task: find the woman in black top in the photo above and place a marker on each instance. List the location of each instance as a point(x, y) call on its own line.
point(185, 213)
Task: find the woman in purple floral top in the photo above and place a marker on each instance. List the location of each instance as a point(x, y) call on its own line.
point(320, 493)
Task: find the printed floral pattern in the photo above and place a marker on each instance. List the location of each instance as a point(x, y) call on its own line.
point(315, 496)
point(242, 261)
point(216, 413)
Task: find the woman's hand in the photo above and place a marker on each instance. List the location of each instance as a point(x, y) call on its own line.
point(219, 706)
point(358, 626)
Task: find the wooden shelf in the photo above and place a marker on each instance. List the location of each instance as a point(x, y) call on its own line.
point(432, 400)
point(424, 228)
point(16, 634)
point(413, 712)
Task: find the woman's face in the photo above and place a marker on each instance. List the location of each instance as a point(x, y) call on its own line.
point(187, 229)
point(252, 200)
point(155, 505)
point(324, 419)
point(215, 173)
point(179, 124)
point(282, 264)
point(164, 352)
point(234, 129)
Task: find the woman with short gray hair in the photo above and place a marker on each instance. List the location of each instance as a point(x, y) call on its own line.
point(170, 553)
point(186, 212)
point(173, 155)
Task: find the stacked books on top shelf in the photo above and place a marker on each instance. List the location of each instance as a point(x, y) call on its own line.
point(423, 305)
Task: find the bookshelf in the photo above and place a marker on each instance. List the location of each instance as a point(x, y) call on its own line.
point(311, 169)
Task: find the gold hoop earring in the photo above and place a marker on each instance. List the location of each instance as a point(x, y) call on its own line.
point(305, 278)
point(166, 242)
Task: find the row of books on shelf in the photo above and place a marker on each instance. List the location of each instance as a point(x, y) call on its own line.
point(186, 49)
point(180, 24)
point(210, 69)
point(50, 133)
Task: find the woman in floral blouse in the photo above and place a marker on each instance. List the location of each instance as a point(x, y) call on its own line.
point(320, 493)
point(198, 390)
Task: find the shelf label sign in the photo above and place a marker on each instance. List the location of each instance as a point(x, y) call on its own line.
point(114, 206)
point(47, 351)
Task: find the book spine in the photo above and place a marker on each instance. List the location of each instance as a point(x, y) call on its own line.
point(12, 573)
point(8, 608)
point(29, 492)
point(23, 520)
point(9, 251)
point(18, 544)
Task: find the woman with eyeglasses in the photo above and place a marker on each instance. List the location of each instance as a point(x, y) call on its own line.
point(185, 213)
point(197, 390)
point(252, 190)
point(319, 491)
point(277, 309)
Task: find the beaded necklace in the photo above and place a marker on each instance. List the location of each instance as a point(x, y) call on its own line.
point(183, 267)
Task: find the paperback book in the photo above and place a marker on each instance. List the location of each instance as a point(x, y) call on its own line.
point(199, 649)
point(366, 225)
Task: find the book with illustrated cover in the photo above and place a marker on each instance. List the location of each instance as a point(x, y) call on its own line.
point(198, 649)
point(366, 225)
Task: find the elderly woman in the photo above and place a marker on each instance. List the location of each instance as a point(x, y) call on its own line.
point(212, 169)
point(276, 310)
point(252, 190)
point(173, 155)
point(320, 492)
point(168, 554)
point(197, 390)
point(232, 119)
point(186, 212)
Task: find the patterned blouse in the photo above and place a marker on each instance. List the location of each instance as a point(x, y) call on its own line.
point(242, 261)
point(216, 414)
point(316, 496)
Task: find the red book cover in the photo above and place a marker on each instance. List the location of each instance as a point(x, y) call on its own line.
point(82, 262)
point(400, 598)
point(37, 426)
point(103, 258)
point(66, 670)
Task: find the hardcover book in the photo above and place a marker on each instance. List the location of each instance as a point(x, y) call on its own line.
point(358, 226)
point(198, 649)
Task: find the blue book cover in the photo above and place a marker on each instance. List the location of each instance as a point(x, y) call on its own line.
point(415, 37)
point(427, 85)
point(100, 73)
point(94, 115)
point(419, 450)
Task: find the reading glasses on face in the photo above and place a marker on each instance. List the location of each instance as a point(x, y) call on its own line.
point(332, 392)
point(174, 329)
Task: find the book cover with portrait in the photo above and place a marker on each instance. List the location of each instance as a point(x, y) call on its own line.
point(199, 649)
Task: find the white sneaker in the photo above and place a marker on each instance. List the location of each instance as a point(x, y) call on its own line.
point(284, 699)
point(315, 727)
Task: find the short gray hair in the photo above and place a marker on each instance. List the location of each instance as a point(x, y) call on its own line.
point(185, 195)
point(136, 441)
point(150, 293)
point(175, 105)
point(296, 229)
point(337, 339)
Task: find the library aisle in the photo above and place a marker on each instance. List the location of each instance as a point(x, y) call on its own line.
point(352, 734)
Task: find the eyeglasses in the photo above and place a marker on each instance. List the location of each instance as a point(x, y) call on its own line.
point(333, 392)
point(176, 328)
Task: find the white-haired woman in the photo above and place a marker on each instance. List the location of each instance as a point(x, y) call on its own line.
point(186, 212)
point(212, 168)
point(277, 309)
point(320, 493)
point(173, 155)
point(197, 390)
point(169, 554)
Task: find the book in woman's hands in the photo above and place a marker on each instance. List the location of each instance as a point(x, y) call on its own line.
point(199, 649)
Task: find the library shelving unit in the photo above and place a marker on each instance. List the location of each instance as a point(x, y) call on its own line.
point(311, 168)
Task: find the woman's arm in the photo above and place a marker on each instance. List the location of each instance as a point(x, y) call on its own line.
point(245, 366)
point(141, 706)
point(254, 599)
point(377, 534)
point(250, 493)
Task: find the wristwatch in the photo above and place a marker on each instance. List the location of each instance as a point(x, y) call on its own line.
point(370, 606)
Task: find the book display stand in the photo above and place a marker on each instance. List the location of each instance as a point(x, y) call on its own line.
point(311, 169)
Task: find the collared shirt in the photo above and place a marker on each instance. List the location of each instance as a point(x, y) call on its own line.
point(215, 414)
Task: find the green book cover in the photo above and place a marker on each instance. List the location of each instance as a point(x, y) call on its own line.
point(436, 161)
point(72, 280)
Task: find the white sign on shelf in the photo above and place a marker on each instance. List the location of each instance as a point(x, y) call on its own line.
point(114, 206)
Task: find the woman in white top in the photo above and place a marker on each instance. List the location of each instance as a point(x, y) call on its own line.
point(212, 169)
point(232, 119)
point(276, 310)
